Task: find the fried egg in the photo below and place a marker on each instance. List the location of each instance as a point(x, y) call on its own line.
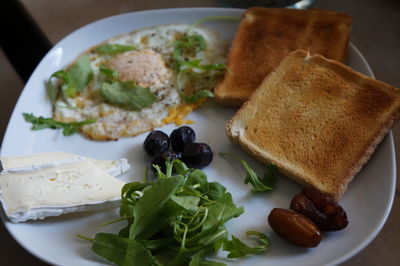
point(150, 65)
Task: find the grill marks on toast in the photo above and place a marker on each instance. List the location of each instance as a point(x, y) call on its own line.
point(266, 35)
point(317, 119)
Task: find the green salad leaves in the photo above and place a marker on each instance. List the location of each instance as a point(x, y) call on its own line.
point(113, 49)
point(176, 220)
point(127, 94)
point(258, 184)
point(186, 47)
point(68, 128)
point(238, 249)
point(73, 81)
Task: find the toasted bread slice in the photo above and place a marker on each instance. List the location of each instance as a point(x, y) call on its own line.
point(266, 35)
point(318, 120)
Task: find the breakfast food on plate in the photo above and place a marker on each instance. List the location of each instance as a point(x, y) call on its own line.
point(294, 227)
point(266, 35)
point(179, 145)
point(135, 82)
point(51, 184)
point(311, 212)
point(318, 120)
point(321, 208)
point(112, 167)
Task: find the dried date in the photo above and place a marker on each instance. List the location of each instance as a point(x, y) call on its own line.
point(321, 208)
point(294, 227)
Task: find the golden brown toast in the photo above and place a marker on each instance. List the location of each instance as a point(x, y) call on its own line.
point(318, 120)
point(266, 35)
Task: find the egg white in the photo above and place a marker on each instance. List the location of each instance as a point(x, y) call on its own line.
point(114, 122)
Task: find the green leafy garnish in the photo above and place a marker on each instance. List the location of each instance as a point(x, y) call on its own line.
point(74, 80)
point(120, 250)
point(109, 73)
point(267, 183)
point(128, 94)
point(68, 128)
point(238, 249)
point(195, 64)
point(188, 46)
point(179, 219)
point(113, 49)
point(197, 96)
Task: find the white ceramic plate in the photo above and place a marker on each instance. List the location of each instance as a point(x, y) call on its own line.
point(367, 201)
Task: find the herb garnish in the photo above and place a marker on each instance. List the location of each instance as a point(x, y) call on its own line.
point(127, 94)
point(74, 80)
point(176, 220)
point(113, 49)
point(108, 73)
point(68, 128)
point(238, 249)
point(191, 44)
point(258, 184)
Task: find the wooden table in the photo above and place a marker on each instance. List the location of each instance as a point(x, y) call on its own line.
point(375, 32)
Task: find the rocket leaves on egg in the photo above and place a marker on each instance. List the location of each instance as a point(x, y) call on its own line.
point(186, 47)
point(108, 73)
point(68, 128)
point(178, 219)
point(113, 49)
point(127, 94)
point(187, 44)
point(201, 94)
point(74, 80)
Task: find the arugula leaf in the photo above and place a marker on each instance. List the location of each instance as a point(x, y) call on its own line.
point(150, 214)
point(52, 91)
point(74, 80)
point(122, 251)
point(222, 210)
point(197, 96)
point(266, 184)
point(215, 190)
point(195, 64)
point(81, 73)
point(129, 197)
point(68, 89)
point(238, 249)
point(68, 128)
point(188, 203)
point(127, 94)
point(108, 72)
point(113, 49)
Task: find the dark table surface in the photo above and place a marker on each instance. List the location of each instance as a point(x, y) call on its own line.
point(375, 32)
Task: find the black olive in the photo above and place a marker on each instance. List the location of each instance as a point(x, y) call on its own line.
point(156, 142)
point(182, 136)
point(197, 155)
point(160, 159)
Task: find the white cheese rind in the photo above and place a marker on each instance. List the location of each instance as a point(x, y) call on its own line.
point(66, 187)
point(113, 167)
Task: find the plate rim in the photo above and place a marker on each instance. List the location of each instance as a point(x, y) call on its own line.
point(360, 56)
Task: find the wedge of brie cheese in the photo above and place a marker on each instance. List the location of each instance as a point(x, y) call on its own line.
point(113, 167)
point(53, 188)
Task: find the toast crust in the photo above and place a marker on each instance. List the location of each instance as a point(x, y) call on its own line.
point(318, 120)
point(266, 35)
